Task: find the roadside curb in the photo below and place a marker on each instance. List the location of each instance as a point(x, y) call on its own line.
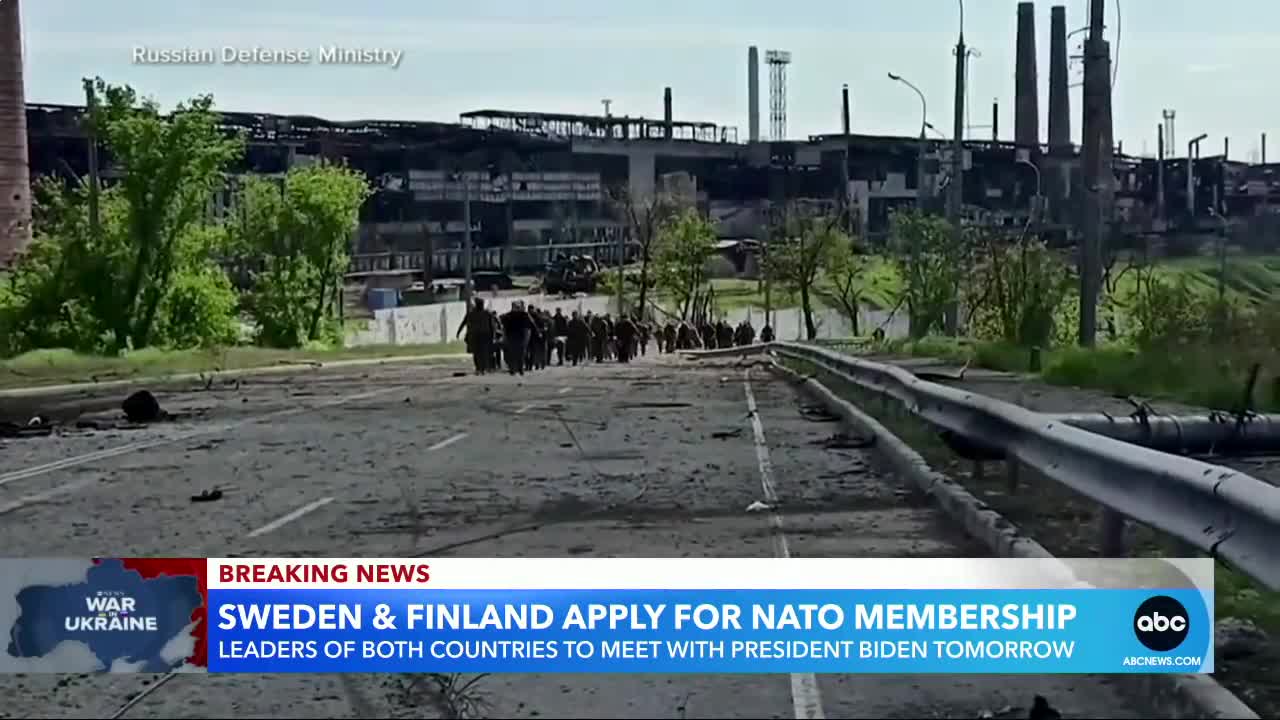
point(301, 366)
point(1162, 695)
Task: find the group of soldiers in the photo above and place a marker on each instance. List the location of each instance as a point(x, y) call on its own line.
point(528, 338)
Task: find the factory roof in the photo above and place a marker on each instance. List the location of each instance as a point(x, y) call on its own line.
point(618, 127)
point(63, 120)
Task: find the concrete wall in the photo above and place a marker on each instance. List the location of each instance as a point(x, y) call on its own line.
point(423, 324)
point(439, 322)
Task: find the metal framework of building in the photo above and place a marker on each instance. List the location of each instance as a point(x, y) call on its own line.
point(600, 127)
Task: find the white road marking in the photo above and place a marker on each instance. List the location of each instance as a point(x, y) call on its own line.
point(286, 519)
point(73, 461)
point(446, 442)
point(312, 507)
point(805, 695)
point(565, 390)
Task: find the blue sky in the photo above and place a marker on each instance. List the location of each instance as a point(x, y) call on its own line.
point(1214, 62)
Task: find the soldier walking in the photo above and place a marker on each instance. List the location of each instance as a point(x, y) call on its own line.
point(578, 336)
point(478, 325)
point(626, 336)
point(599, 333)
point(560, 328)
point(517, 327)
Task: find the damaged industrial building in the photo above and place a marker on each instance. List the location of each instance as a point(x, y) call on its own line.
point(530, 181)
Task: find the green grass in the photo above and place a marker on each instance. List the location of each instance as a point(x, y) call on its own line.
point(1249, 278)
point(1201, 376)
point(55, 367)
point(882, 284)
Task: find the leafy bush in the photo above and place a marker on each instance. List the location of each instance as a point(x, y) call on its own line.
point(199, 310)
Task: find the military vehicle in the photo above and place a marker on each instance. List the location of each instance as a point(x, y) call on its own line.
point(568, 275)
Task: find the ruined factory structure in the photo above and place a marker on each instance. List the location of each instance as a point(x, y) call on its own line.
point(533, 183)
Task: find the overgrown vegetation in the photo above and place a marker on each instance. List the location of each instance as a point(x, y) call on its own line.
point(931, 265)
point(141, 262)
point(684, 244)
point(802, 243)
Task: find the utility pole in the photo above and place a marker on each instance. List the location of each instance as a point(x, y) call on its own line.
point(1098, 174)
point(844, 161)
point(956, 197)
point(466, 237)
point(91, 132)
point(622, 263)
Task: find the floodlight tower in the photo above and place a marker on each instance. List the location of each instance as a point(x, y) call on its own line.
point(778, 60)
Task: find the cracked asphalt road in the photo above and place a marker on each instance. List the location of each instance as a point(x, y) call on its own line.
point(656, 459)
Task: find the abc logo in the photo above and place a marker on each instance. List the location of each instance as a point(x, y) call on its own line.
point(1161, 623)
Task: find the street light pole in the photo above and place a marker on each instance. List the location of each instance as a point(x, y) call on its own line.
point(1192, 147)
point(466, 238)
point(956, 195)
point(1023, 159)
point(924, 140)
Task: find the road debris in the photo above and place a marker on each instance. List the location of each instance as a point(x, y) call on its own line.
point(726, 434)
point(840, 441)
point(142, 407)
point(936, 376)
point(207, 496)
point(817, 413)
point(36, 427)
point(1041, 710)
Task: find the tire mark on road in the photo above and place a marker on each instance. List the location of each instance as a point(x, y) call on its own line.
point(804, 686)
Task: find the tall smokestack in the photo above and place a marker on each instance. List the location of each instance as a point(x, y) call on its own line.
point(1026, 113)
point(1264, 148)
point(995, 121)
point(15, 177)
point(844, 92)
point(753, 93)
point(1059, 84)
point(667, 129)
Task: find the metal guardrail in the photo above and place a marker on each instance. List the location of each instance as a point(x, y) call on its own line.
point(1217, 510)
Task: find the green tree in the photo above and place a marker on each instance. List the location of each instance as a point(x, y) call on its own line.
point(299, 229)
point(801, 244)
point(170, 167)
point(644, 216)
point(68, 291)
point(683, 245)
point(1022, 286)
point(931, 266)
point(849, 273)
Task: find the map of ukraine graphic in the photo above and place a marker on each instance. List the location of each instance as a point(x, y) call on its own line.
point(173, 590)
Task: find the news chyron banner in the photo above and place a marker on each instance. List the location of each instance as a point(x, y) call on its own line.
point(606, 615)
